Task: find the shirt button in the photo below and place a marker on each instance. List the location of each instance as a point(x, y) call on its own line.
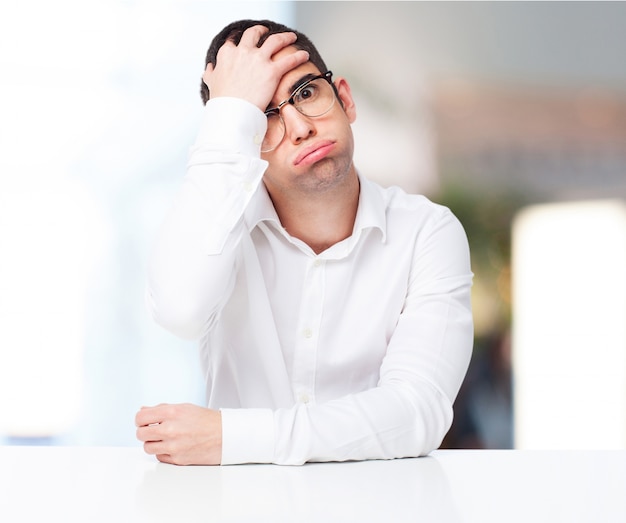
point(303, 398)
point(247, 186)
point(317, 263)
point(258, 139)
point(307, 333)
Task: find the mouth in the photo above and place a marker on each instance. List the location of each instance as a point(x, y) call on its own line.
point(314, 153)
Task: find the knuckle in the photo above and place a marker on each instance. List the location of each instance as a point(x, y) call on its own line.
point(167, 431)
point(169, 411)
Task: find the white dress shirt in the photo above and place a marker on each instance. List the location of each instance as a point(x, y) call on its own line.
point(355, 353)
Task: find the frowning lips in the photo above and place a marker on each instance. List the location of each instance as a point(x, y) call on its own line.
point(313, 153)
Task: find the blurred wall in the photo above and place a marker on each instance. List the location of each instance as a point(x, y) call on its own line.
point(524, 95)
point(487, 107)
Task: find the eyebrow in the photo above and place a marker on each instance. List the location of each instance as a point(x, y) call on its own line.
point(301, 81)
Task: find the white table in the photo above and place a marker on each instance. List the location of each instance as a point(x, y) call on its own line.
point(68, 484)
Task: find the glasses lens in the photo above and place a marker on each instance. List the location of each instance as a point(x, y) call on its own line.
point(314, 98)
point(274, 134)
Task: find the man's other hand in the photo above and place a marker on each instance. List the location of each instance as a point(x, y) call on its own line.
point(181, 434)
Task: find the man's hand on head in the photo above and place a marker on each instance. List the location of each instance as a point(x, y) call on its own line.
point(250, 72)
point(182, 434)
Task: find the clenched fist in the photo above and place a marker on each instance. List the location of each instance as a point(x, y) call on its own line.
point(182, 434)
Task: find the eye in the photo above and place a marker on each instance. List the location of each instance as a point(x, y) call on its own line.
point(307, 93)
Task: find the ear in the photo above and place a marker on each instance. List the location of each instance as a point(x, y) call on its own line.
point(345, 95)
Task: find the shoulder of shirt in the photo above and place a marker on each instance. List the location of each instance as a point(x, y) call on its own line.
point(397, 199)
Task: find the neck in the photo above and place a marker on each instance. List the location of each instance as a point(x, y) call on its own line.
point(321, 219)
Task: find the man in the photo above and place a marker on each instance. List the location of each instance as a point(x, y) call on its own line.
point(333, 315)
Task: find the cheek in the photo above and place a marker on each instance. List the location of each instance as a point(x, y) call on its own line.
point(348, 137)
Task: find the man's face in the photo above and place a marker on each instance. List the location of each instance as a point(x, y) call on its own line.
point(315, 153)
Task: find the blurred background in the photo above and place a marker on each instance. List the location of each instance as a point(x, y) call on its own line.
point(511, 113)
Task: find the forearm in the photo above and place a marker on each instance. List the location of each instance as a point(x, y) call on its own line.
point(382, 423)
point(191, 269)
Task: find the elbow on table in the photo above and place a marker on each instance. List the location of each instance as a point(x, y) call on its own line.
point(432, 416)
point(432, 433)
point(412, 420)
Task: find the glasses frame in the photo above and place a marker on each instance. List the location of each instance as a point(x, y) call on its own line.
point(275, 111)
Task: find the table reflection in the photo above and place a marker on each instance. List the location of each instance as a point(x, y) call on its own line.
point(398, 490)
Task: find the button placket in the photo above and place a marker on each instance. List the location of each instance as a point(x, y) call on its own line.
point(309, 319)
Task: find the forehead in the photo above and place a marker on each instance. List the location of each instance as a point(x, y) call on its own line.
point(290, 80)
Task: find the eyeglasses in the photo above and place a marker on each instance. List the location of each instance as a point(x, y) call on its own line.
point(313, 98)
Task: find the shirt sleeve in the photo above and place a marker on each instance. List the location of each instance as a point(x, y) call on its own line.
point(191, 267)
point(410, 410)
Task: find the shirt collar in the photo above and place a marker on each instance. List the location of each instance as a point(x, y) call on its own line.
point(261, 209)
point(371, 212)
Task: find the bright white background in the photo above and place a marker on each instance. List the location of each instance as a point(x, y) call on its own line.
point(99, 103)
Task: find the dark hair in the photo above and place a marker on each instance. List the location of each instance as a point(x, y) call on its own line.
point(235, 30)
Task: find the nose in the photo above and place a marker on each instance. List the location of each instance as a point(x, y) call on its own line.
point(297, 126)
